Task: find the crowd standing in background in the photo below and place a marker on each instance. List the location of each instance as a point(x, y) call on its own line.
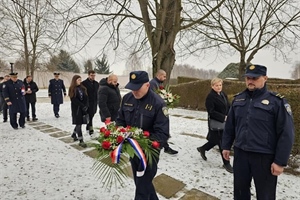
point(155, 83)
point(143, 108)
point(56, 91)
point(30, 97)
point(217, 107)
point(92, 87)
point(79, 108)
point(14, 96)
point(109, 98)
point(260, 126)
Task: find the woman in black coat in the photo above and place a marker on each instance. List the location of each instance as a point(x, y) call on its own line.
point(217, 107)
point(79, 107)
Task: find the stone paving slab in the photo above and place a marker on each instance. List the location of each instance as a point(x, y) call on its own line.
point(195, 194)
point(67, 140)
point(60, 134)
point(51, 130)
point(92, 153)
point(167, 186)
point(76, 146)
point(193, 135)
point(34, 124)
point(42, 127)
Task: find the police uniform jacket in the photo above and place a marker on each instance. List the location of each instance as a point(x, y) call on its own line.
point(92, 87)
point(56, 90)
point(217, 107)
point(1, 93)
point(260, 122)
point(12, 93)
point(78, 102)
point(148, 113)
point(31, 98)
point(109, 100)
point(155, 83)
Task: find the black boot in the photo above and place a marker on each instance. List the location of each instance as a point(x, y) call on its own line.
point(171, 151)
point(202, 152)
point(74, 137)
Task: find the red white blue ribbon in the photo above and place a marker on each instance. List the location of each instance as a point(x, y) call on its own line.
point(116, 154)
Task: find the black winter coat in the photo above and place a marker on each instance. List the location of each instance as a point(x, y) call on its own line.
point(31, 98)
point(109, 100)
point(217, 107)
point(92, 90)
point(78, 102)
point(56, 91)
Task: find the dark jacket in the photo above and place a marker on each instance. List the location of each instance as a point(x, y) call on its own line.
point(92, 91)
point(109, 100)
point(217, 107)
point(149, 113)
point(31, 98)
point(260, 122)
point(78, 102)
point(12, 93)
point(155, 83)
point(56, 90)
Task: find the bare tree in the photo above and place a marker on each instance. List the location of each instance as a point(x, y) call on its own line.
point(28, 29)
point(191, 71)
point(150, 26)
point(247, 27)
point(295, 73)
point(133, 64)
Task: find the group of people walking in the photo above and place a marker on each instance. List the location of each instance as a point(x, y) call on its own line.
point(258, 123)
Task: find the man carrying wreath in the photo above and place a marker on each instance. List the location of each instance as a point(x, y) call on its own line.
point(143, 108)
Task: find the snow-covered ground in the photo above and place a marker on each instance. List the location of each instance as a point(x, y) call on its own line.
point(36, 166)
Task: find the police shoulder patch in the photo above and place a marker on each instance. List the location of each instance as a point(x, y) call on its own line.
point(165, 111)
point(288, 108)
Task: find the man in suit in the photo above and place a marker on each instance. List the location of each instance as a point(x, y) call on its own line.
point(56, 91)
point(30, 96)
point(13, 92)
point(92, 90)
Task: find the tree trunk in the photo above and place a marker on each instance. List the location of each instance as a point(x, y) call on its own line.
point(242, 66)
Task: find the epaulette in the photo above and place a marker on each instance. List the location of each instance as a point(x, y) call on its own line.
point(280, 96)
point(237, 94)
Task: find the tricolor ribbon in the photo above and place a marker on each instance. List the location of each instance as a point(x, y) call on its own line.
point(116, 154)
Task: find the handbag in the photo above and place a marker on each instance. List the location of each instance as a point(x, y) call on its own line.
point(85, 119)
point(215, 125)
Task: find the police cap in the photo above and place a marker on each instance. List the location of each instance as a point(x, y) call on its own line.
point(13, 74)
point(255, 71)
point(137, 79)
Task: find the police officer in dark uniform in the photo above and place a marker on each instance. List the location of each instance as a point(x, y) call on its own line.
point(56, 91)
point(260, 125)
point(145, 109)
point(13, 92)
point(4, 105)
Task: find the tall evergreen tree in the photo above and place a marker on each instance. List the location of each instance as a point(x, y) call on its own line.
point(102, 66)
point(63, 62)
point(88, 65)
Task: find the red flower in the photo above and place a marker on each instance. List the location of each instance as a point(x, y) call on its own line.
point(128, 127)
point(102, 129)
point(107, 133)
point(155, 144)
point(105, 144)
point(120, 139)
point(146, 133)
point(123, 130)
point(107, 121)
point(161, 87)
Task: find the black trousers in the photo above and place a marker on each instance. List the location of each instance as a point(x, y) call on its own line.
point(89, 126)
point(13, 119)
point(248, 165)
point(32, 105)
point(209, 145)
point(144, 189)
point(5, 109)
point(78, 132)
point(56, 109)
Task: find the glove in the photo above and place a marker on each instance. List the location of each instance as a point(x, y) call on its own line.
point(85, 108)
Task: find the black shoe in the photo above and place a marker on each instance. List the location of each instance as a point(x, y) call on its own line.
point(82, 144)
point(171, 151)
point(23, 126)
point(16, 128)
point(228, 168)
point(57, 116)
point(74, 137)
point(28, 119)
point(34, 119)
point(202, 152)
point(5, 120)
